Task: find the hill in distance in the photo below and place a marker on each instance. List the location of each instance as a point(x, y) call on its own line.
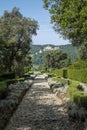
point(39, 52)
point(71, 50)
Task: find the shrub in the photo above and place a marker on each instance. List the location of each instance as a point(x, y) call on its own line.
point(79, 65)
point(3, 85)
point(78, 74)
point(12, 81)
point(56, 72)
point(76, 95)
point(65, 73)
point(83, 100)
point(3, 89)
point(7, 75)
point(26, 69)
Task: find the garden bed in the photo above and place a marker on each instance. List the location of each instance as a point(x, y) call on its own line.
point(12, 100)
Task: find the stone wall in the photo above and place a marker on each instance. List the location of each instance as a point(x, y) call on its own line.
point(12, 100)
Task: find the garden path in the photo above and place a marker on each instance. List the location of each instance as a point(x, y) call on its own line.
point(41, 110)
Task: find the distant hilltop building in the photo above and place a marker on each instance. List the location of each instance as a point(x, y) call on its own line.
point(50, 48)
point(47, 48)
point(40, 51)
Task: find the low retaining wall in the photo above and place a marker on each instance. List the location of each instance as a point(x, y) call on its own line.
point(12, 100)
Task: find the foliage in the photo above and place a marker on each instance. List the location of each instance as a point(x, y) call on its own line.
point(58, 79)
point(81, 64)
point(76, 95)
point(3, 89)
point(72, 51)
point(7, 75)
point(12, 81)
point(3, 85)
point(77, 71)
point(65, 73)
point(15, 37)
point(57, 59)
point(38, 59)
point(83, 52)
point(35, 48)
point(56, 72)
point(69, 18)
point(78, 74)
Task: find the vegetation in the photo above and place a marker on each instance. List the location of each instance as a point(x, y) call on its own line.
point(57, 59)
point(15, 38)
point(16, 33)
point(35, 48)
point(69, 18)
point(77, 71)
point(83, 52)
point(38, 59)
point(72, 51)
point(3, 89)
point(12, 81)
point(3, 85)
point(7, 75)
point(76, 95)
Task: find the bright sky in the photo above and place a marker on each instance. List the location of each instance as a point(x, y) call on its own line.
point(34, 9)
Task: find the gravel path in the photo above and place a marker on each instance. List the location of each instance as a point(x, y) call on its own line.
point(41, 110)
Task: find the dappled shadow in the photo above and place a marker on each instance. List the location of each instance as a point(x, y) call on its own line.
point(39, 80)
point(39, 110)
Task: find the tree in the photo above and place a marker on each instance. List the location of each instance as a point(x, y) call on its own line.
point(69, 18)
point(57, 59)
point(15, 38)
point(83, 52)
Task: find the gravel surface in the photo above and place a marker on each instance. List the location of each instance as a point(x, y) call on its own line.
point(40, 109)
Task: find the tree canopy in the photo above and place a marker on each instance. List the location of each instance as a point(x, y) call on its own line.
point(15, 38)
point(57, 59)
point(69, 18)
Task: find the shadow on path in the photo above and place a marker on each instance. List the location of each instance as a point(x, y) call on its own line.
point(40, 110)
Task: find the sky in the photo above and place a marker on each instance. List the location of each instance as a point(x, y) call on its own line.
point(34, 10)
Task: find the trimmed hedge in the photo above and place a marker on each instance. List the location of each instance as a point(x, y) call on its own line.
point(74, 74)
point(76, 95)
point(12, 81)
point(65, 73)
point(78, 71)
point(56, 72)
point(79, 65)
point(3, 89)
point(7, 75)
point(3, 85)
point(78, 74)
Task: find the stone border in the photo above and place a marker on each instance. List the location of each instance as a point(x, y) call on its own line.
point(8, 105)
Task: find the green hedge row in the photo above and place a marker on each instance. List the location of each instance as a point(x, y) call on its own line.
point(75, 74)
point(3, 85)
point(78, 74)
point(79, 65)
point(7, 75)
point(3, 89)
point(57, 72)
point(12, 81)
point(76, 95)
